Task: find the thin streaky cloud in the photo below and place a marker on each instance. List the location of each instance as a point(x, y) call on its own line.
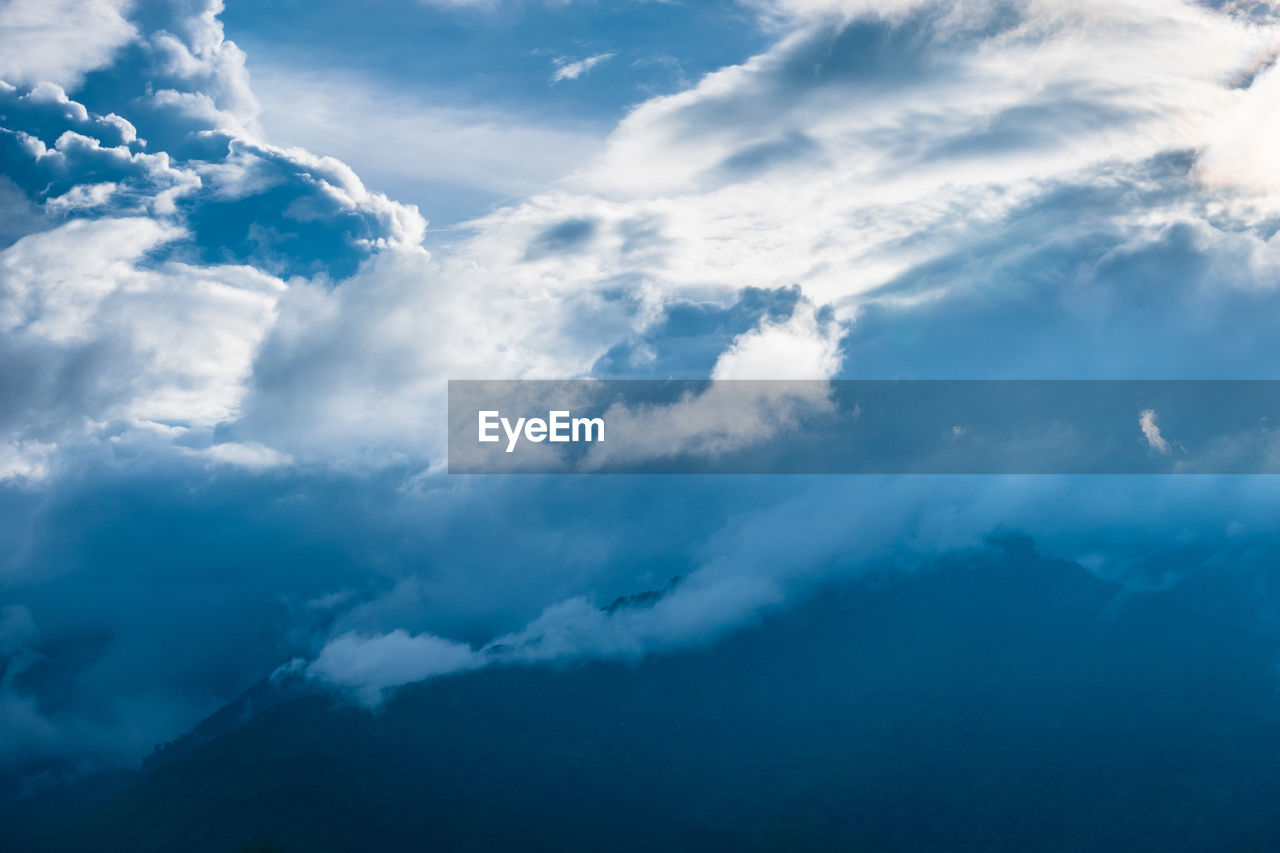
point(574, 70)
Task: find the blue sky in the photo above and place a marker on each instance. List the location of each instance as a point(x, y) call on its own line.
point(563, 74)
point(506, 55)
point(243, 250)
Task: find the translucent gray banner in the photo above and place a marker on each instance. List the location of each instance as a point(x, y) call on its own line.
point(864, 427)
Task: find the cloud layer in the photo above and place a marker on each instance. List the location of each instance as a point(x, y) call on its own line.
point(224, 360)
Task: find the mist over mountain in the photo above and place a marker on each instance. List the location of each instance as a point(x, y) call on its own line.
point(997, 700)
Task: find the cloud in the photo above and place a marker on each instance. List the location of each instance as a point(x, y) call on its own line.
point(374, 663)
point(240, 199)
point(1237, 156)
point(980, 160)
point(223, 360)
point(135, 344)
point(368, 665)
point(58, 41)
point(725, 418)
point(253, 456)
point(136, 279)
point(823, 531)
point(408, 140)
point(805, 346)
point(566, 70)
point(26, 731)
point(762, 211)
point(949, 195)
point(730, 416)
point(1151, 432)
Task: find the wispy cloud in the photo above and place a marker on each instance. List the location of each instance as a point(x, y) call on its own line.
point(406, 140)
point(566, 70)
point(1147, 421)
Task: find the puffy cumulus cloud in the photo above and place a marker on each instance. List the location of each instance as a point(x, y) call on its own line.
point(241, 199)
point(358, 372)
point(97, 341)
point(59, 40)
point(70, 162)
point(200, 72)
point(190, 150)
point(51, 292)
point(173, 55)
point(137, 282)
point(292, 212)
point(805, 346)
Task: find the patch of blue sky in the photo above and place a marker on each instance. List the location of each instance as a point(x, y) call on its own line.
point(505, 54)
point(458, 108)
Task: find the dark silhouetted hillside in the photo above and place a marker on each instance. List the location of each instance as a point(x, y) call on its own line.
point(998, 702)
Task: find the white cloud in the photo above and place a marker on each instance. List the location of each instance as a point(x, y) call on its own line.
point(60, 40)
point(359, 371)
point(726, 417)
point(250, 455)
point(784, 187)
point(202, 72)
point(1241, 155)
point(46, 92)
point(832, 530)
point(801, 347)
point(695, 612)
point(1151, 431)
point(83, 197)
point(861, 181)
point(783, 171)
point(25, 460)
point(52, 284)
point(369, 664)
point(566, 70)
point(407, 143)
point(171, 344)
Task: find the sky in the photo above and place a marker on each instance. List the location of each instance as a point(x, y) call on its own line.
point(243, 249)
